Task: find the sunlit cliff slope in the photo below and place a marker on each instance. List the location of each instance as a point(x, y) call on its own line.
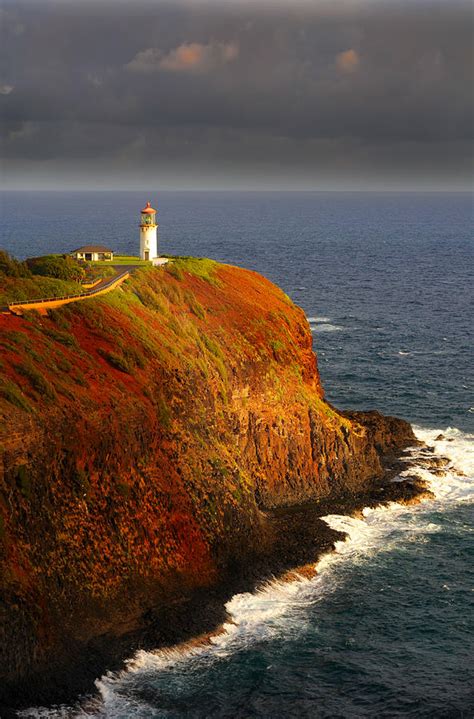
point(147, 439)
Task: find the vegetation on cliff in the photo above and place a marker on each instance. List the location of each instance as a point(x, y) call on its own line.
point(144, 437)
point(48, 276)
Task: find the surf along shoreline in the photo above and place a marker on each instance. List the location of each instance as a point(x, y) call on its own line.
point(303, 539)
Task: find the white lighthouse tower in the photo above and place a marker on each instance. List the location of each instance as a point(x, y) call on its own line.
point(148, 233)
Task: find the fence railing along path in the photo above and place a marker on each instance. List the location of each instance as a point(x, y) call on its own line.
point(43, 302)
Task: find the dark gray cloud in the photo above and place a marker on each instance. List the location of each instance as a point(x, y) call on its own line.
point(337, 93)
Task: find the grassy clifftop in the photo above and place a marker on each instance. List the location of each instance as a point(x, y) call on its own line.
point(202, 318)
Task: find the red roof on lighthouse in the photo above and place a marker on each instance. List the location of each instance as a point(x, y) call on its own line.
point(148, 210)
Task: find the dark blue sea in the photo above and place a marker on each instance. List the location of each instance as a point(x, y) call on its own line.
point(386, 627)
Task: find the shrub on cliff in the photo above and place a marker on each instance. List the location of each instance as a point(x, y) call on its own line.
point(13, 394)
point(126, 361)
point(61, 267)
point(11, 267)
point(17, 289)
point(37, 380)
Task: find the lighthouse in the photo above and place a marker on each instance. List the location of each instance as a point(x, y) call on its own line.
point(148, 233)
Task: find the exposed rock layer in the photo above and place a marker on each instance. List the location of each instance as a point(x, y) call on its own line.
point(153, 443)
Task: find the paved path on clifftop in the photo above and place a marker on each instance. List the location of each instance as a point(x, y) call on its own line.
point(43, 304)
point(105, 283)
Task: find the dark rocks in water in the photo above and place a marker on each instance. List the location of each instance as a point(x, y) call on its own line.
point(389, 434)
point(440, 438)
point(431, 461)
point(440, 461)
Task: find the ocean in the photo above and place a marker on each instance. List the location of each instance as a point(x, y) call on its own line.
point(385, 627)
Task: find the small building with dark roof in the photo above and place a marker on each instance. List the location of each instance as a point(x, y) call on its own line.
point(93, 253)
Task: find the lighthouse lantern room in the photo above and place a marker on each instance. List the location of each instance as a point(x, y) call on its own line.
point(148, 233)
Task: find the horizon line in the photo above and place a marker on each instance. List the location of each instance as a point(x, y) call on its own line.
point(409, 190)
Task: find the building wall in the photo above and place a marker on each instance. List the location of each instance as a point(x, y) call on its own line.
point(148, 241)
point(95, 256)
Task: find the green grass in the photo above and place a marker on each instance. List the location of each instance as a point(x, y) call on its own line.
point(37, 380)
point(116, 360)
point(121, 260)
point(12, 393)
point(127, 361)
point(163, 413)
point(196, 308)
point(17, 339)
point(198, 266)
point(59, 317)
point(65, 338)
point(277, 345)
point(95, 273)
point(218, 358)
point(19, 289)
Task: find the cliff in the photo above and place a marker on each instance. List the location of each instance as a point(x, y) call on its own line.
point(151, 443)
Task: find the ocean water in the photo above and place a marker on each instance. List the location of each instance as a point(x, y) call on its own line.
point(385, 627)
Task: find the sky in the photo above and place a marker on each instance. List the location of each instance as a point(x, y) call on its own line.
point(323, 95)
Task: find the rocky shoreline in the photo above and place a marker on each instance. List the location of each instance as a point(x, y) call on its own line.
point(301, 539)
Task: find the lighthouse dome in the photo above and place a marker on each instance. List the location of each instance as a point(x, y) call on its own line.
point(148, 210)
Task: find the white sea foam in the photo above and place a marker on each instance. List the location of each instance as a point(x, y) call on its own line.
point(316, 320)
point(323, 324)
point(326, 328)
point(458, 447)
point(275, 609)
point(372, 533)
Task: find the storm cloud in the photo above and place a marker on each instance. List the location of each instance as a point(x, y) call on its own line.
point(322, 94)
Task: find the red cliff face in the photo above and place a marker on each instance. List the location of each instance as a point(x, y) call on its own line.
point(145, 437)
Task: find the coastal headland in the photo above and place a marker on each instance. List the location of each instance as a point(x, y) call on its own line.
point(163, 446)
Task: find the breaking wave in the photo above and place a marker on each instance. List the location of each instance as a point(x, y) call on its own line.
point(323, 324)
point(318, 320)
point(326, 328)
